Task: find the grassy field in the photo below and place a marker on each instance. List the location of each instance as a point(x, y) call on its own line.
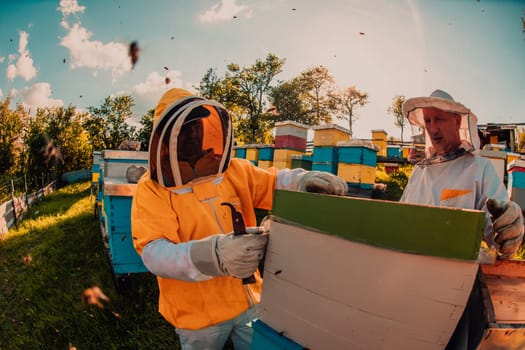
point(48, 262)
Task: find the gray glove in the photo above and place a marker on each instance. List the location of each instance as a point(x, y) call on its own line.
point(134, 173)
point(322, 182)
point(507, 222)
point(234, 255)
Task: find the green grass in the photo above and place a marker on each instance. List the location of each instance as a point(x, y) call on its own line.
point(40, 300)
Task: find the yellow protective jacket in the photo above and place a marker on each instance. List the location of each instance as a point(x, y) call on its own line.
point(192, 212)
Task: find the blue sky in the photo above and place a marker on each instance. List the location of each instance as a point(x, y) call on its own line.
point(475, 50)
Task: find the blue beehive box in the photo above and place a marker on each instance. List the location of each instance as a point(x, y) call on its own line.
point(393, 151)
point(325, 154)
point(116, 195)
point(516, 180)
point(240, 152)
point(266, 338)
point(360, 185)
point(325, 166)
point(358, 155)
point(266, 152)
point(117, 200)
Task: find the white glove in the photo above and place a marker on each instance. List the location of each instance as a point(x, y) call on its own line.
point(321, 182)
point(234, 255)
point(507, 223)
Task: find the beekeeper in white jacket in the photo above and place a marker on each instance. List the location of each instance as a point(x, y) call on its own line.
point(452, 174)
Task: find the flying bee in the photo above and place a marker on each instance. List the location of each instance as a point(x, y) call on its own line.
point(133, 53)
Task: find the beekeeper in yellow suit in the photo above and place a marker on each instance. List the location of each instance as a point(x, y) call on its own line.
point(184, 234)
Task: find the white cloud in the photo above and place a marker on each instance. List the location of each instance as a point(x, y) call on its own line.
point(225, 10)
point(24, 66)
point(2, 59)
point(112, 56)
point(156, 84)
point(1, 94)
point(37, 96)
point(68, 7)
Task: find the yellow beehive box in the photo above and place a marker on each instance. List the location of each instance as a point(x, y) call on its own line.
point(379, 139)
point(284, 154)
point(94, 177)
point(405, 151)
point(330, 135)
point(357, 173)
point(265, 164)
point(252, 153)
point(282, 165)
point(512, 157)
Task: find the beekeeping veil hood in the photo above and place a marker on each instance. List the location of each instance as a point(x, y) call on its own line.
point(191, 139)
point(413, 110)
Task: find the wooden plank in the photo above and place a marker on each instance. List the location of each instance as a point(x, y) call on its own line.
point(326, 292)
point(508, 298)
point(437, 231)
point(505, 282)
point(505, 268)
point(503, 338)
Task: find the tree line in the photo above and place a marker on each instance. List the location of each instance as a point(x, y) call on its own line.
point(61, 139)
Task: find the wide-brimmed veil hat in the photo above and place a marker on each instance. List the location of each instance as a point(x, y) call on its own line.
point(413, 110)
point(202, 126)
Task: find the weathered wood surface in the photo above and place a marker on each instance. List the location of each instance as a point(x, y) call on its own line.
point(325, 292)
point(503, 338)
point(505, 281)
point(350, 273)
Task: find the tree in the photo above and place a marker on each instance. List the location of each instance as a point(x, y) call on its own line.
point(306, 99)
point(210, 86)
point(37, 161)
point(251, 85)
point(108, 127)
point(347, 100)
point(319, 86)
point(144, 133)
point(521, 139)
point(56, 142)
point(244, 92)
point(287, 102)
point(396, 111)
point(12, 125)
point(63, 126)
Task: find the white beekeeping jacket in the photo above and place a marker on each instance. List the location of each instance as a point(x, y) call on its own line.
point(465, 182)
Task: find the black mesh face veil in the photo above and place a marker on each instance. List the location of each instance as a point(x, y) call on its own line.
point(192, 139)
